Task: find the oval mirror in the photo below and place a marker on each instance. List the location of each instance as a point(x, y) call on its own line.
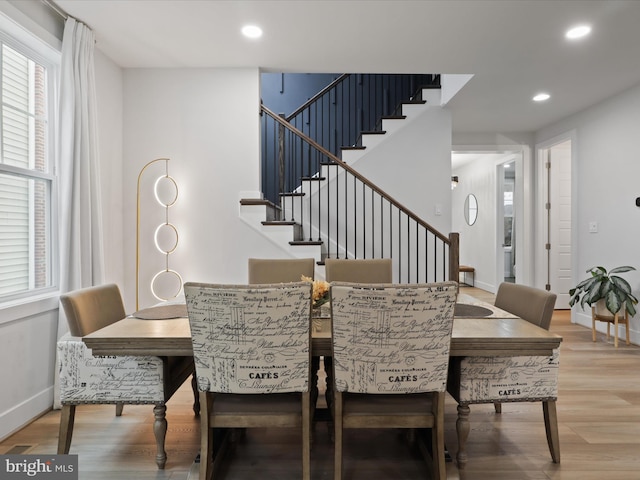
point(471, 209)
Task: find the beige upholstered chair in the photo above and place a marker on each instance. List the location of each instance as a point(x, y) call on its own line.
point(371, 270)
point(85, 379)
point(532, 304)
point(251, 346)
point(280, 270)
point(390, 356)
point(524, 378)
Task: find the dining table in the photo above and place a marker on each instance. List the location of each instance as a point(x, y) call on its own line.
point(479, 330)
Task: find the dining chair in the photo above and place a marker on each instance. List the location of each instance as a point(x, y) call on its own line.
point(280, 270)
point(85, 379)
point(252, 347)
point(525, 378)
point(390, 356)
point(358, 270)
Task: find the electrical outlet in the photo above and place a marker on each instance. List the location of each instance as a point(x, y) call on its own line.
point(593, 227)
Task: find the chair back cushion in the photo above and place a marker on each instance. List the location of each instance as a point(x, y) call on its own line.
point(370, 270)
point(392, 338)
point(250, 339)
point(532, 304)
point(280, 270)
point(92, 308)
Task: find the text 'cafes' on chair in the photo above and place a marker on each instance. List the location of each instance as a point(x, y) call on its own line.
point(280, 270)
point(251, 346)
point(525, 378)
point(390, 357)
point(85, 379)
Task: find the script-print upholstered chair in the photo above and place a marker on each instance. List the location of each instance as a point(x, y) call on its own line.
point(370, 270)
point(390, 357)
point(251, 346)
point(85, 379)
point(523, 378)
point(280, 270)
point(356, 270)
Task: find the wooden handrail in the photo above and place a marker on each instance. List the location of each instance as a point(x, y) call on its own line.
point(356, 174)
point(313, 99)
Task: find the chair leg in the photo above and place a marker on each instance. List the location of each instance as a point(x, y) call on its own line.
point(551, 427)
point(306, 436)
point(160, 431)
point(497, 407)
point(615, 330)
point(593, 326)
point(337, 435)
point(119, 407)
point(67, 417)
point(206, 439)
point(437, 439)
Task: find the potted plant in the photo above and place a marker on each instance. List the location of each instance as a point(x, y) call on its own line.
point(611, 290)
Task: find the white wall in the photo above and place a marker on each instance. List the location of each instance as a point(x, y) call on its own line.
point(605, 179)
point(414, 166)
point(206, 121)
point(477, 241)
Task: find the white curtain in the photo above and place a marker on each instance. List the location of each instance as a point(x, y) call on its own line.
point(80, 220)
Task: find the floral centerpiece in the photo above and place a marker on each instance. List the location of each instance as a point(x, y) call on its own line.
point(320, 293)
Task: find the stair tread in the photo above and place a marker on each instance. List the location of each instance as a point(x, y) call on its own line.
point(258, 201)
point(374, 132)
point(352, 148)
point(293, 194)
point(279, 222)
point(393, 117)
point(313, 179)
point(415, 101)
point(306, 242)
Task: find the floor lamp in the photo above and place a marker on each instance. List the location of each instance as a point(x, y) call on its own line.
point(165, 237)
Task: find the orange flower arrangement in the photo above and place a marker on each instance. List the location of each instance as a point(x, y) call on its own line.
point(320, 293)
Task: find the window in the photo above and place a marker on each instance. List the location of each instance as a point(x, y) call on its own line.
point(26, 171)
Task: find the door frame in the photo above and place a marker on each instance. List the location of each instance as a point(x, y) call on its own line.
point(525, 213)
point(542, 229)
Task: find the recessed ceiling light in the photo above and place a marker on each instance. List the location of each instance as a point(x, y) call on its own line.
point(578, 32)
point(252, 31)
point(541, 97)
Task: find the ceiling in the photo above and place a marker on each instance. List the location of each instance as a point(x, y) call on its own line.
point(514, 48)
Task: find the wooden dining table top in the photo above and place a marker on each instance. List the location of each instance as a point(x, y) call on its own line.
point(497, 334)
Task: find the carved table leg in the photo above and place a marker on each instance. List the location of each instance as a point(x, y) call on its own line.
point(196, 394)
point(160, 431)
point(462, 428)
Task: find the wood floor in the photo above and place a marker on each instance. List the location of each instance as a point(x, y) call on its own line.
point(598, 411)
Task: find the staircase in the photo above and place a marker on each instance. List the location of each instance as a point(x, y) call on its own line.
point(326, 208)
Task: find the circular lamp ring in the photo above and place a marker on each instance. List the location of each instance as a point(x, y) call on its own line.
point(166, 190)
point(165, 283)
point(166, 238)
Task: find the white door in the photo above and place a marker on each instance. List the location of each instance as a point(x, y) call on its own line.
point(559, 222)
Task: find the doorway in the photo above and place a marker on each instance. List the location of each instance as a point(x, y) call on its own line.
point(508, 190)
point(555, 162)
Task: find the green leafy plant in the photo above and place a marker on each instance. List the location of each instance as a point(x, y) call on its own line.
point(603, 285)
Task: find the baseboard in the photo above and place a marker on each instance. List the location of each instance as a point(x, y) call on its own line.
point(24, 413)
